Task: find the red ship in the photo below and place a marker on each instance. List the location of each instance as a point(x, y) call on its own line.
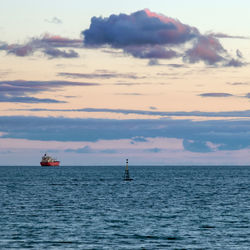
point(49, 161)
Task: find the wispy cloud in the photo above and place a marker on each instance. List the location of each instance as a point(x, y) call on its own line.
point(153, 62)
point(4, 73)
point(19, 90)
point(145, 34)
point(197, 136)
point(37, 86)
point(60, 42)
point(127, 83)
point(248, 95)
point(197, 146)
point(135, 94)
point(223, 35)
point(138, 139)
point(153, 108)
point(239, 54)
point(238, 83)
point(150, 52)
point(27, 99)
point(83, 150)
point(99, 74)
point(156, 62)
point(219, 95)
point(234, 63)
point(47, 44)
point(237, 114)
point(54, 53)
point(54, 20)
point(153, 150)
point(216, 95)
point(90, 150)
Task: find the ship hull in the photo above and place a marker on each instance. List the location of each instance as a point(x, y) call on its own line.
point(50, 164)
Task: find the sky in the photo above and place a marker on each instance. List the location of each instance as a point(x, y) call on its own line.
point(94, 83)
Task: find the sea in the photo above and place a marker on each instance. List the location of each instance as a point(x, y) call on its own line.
point(91, 207)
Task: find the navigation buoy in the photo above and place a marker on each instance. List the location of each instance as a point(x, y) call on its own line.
point(126, 174)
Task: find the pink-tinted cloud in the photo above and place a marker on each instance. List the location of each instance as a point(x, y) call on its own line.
point(145, 34)
point(48, 44)
point(21, 50)
point(59, 41)
point(140, 28)
point(207, 49)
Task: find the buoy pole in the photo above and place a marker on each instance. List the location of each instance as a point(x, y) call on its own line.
point(126, 164)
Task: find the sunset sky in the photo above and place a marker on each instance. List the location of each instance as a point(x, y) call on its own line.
point(96, 82)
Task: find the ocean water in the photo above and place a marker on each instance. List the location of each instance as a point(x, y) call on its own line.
point(191, 207)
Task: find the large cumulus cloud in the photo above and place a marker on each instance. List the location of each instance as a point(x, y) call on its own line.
point(145, 34)
point(139, 28)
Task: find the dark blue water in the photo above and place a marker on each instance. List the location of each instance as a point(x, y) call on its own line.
point(92, 208)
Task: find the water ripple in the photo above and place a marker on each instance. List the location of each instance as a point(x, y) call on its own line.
point(92, 208)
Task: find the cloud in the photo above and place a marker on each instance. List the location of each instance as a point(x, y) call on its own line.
point(207, 49)
point(197, 136)
point(248, 95)
point(153, 150)
point(196, 146)
point(108, 151)
point(239, 54)
point(235, 63)
point(140, 28)
point(89, 150)
point(223, 35)
point(18, 49)
point(216, 95)
point(138, 139)
point(175, 65)
point(84, 150)
point(99, 74)
point(145, 34)
point(238, 83)
point(47, 44)
point(126, 84)
point(152, 108)
point(26, 99)
point(236, 114)
point(134, 94)
point(150, 52)
point(18, 90)
point(153, 62)
point(53, 53)
point(56, 41)
point(4, 73)
point(37, 86)
point(54, 20)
